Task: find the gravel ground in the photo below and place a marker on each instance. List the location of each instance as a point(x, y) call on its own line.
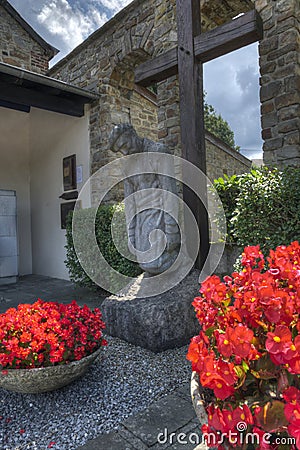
point(125, 382)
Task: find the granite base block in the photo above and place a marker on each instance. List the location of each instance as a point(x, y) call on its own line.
point(157, 323)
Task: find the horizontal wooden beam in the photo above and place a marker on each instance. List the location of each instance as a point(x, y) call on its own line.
point(157, 69)
point(149, 95)
point(226, 38)
point(26, 97)
point(231, 36)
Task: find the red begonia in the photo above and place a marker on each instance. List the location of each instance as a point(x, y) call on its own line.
point(248, 351)
point(48, 333)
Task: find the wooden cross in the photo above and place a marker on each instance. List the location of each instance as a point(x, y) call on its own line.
point(187, 60)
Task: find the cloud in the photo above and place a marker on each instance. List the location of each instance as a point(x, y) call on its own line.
point(114, 5)
point(66, 23)
point(246, 78)
point(71, 24)
point(232, 86)
point(63, 23)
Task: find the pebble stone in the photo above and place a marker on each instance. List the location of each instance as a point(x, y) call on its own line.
point(124, 381)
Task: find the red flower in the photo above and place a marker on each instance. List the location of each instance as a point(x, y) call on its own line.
point(294, 431)
point(216, 419)
point(222, 390)
point(291, 395)
point(224, 344)
point(252, 257)
point(216, 382)
point(226, 371)
point(210, 436)
point(259, 437)
point(248, 351)
point(280, 340)
point(243, 414)
point(240, 338)
point(48, 333)
point(214, 289)
point(197, 353)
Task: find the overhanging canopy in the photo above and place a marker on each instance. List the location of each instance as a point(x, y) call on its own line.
point(21, 89)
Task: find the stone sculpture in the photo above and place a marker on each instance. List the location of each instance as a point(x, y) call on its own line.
point(153, 234)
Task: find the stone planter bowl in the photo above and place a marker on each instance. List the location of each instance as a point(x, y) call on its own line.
point(197, 399)
point(199, 407)
point(45, 379)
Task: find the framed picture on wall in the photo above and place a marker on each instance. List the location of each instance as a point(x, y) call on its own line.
point(69, 173)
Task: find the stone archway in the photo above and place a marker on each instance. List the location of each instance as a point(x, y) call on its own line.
point(131, 103)
point(124, 102)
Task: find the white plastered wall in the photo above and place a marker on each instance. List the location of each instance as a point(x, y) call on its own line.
point(53, 137)
point(32, 148)
point(15, 175)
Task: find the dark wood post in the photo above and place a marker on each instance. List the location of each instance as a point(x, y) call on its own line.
point(193, 50)
point(190, 73)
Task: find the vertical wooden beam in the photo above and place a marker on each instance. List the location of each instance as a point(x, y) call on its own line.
point(190, 73)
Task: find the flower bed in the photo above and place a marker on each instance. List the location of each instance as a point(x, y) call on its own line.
point(48, 333)
point(248, 351)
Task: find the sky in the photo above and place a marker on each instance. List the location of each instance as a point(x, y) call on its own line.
point(231, 82)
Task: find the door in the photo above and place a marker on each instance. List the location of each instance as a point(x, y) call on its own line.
point(8, 237)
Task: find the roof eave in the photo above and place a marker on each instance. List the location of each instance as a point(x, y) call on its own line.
point(21, 89)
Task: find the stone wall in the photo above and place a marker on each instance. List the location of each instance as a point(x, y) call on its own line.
point(132, 104)
point(144, 113)
point(17, 47)
point(223, 160)
point(105, 63)
point(280, 81)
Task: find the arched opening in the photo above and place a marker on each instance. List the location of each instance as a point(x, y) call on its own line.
point(131, 103)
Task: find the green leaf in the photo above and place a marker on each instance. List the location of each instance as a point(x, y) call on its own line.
point(210, 331)
point(245, 366)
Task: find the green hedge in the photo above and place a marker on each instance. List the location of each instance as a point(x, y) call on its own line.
point(262, 207)
point(104, 217)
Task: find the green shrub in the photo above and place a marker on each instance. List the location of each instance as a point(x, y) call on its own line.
point(228, 190)
point(262, 207)
point(105, 215)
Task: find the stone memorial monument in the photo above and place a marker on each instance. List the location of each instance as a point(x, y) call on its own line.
point(167, 320)
point(144, 222)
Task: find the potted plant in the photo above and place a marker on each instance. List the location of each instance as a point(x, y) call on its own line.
point(46, 345)
point(248, 353)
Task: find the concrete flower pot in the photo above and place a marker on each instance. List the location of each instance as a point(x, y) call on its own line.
point(45, 379)
point(199, 407)
point(198, 402)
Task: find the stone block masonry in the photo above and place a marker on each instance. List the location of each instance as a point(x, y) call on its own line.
point(105, 63)
point(280, 81)
point(17, 47)
point(222, 160)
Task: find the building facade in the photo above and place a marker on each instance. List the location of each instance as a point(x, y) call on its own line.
point(146, 29)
